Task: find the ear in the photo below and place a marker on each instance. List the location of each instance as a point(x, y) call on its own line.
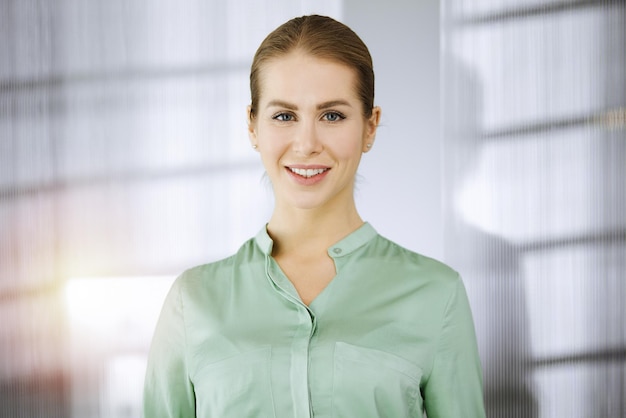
point(251, 127)
point(371, 125)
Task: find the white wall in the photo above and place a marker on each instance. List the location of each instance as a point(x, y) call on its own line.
point(399, 192)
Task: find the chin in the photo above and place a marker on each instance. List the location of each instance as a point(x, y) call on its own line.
point(307, 204)
point(304, 201)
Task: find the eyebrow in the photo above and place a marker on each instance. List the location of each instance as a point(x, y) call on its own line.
point(332, 103)
point(325, 105)
point(281, 103)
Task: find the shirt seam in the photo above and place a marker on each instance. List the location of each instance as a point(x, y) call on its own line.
point(439, 339)
point(185, 337)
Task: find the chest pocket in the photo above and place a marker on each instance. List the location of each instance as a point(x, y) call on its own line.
point(373, 383)
point(238, 386)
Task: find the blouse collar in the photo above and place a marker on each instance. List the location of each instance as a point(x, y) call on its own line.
point(344, 247)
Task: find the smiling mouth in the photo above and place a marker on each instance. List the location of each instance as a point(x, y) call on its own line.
point(308, 172)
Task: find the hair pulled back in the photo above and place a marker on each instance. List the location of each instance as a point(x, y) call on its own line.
point(321, 37)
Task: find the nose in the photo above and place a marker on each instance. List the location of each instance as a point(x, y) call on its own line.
point(306, 140)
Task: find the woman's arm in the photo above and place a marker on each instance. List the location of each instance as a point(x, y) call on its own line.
point(168, 391)
point(454, 387)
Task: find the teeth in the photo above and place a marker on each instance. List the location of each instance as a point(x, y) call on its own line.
point(308, 172)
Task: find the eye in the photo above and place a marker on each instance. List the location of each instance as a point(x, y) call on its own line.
point(333, 116)
point(283, 117)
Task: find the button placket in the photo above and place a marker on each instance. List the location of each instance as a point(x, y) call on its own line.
point(300, 364)
point(299, 372)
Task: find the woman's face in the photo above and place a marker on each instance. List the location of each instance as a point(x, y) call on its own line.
point(310, 130)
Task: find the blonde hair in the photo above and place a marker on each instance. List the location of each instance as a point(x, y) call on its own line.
point(322, 37)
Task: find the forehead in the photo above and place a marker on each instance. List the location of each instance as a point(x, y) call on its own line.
point(300, 76)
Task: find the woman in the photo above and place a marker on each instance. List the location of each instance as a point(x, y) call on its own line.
point(317, 315)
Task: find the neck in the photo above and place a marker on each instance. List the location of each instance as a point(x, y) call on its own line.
point(310, 231)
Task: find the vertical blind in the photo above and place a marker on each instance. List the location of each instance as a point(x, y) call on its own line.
point(534, 107)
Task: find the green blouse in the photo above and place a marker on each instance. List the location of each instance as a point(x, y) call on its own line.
point(390, 336)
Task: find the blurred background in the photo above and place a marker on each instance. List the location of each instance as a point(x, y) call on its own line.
point(124, 160)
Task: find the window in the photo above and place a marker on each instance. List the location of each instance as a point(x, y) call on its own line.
point(535, 162)
point(123, 154)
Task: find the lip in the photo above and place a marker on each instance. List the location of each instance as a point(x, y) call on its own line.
point(307, 166)
point(307, 181)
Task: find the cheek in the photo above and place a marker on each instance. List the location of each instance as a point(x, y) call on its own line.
point(350, 151)
point(270, 138)
point(272, 146)
point(348, 144)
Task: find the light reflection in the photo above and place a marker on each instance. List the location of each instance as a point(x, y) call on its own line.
point(120, 311)
point(111, 321)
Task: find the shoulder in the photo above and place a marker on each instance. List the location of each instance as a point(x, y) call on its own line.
point(413, 263)
point(216, 277)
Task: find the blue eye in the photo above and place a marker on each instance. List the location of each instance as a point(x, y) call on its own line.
point(333, 116)
point(283, 117)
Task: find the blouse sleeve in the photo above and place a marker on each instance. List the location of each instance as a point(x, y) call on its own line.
point(454, 387)
point(168, 390)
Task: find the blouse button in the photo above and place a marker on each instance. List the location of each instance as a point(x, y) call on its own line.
point(337, 250)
